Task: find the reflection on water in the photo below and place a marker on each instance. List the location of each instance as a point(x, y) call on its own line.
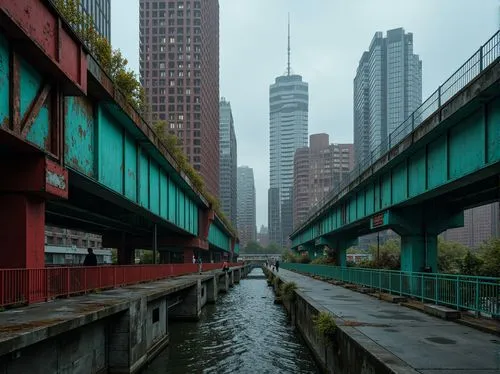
point(244, 332)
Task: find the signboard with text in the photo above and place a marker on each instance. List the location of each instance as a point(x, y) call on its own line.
point(379, 220)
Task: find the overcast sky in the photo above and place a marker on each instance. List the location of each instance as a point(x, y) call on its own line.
point(328, 38)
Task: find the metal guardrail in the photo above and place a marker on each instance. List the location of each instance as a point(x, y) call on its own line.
point(461, 292)
point(485, 56)
point(26, 286)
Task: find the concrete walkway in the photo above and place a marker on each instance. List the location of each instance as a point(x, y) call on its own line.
point(428, 344)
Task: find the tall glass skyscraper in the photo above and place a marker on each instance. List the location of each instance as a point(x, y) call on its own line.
point(387, 89)
point(227, 161)
point(247, 228)
point(100, 11)
point(288, 125)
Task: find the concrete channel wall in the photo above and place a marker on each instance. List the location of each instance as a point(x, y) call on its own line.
point(115, 331)
point(347, 352)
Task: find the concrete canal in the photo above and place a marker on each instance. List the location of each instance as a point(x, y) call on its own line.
point(243, 332)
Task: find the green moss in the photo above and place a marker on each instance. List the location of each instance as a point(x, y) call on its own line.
point(288, 290)
point(324, 324)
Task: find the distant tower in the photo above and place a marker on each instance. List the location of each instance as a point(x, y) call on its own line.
point(288, 125)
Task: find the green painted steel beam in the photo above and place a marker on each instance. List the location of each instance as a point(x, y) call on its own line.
point(460, 150)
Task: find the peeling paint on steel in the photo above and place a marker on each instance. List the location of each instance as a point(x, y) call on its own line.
point(55, 180)
point(79, 134)
point(4, 81)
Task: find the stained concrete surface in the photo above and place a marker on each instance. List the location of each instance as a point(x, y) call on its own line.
point(28, 325)
point(428, 344)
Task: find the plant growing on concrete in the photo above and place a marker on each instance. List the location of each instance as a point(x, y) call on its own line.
point(270, 279)
point(325, 325)
point(288, 290)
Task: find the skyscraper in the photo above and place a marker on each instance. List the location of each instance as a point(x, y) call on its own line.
point(318, 169)
point(387, 89)
point(247, 228)
point(480, 224)
point(100, 11)
point(288, 116)
point(227, 161)
point(179, 69)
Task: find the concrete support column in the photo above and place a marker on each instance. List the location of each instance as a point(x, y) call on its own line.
point(119, 344)
point(223, 282)
point(190, 307)
point(341, 256)
point(419, 228)
point(126, 255)
point(231, 277)
point(22, 231)
point(212, 289)
point(419, 253)
point(237, 275)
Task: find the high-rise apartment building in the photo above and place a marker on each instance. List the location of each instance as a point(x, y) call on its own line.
point(227, 161)
point(100, 11)
point(263, 236)
point(387, 89)
point(288, 125)
point(246, 210)
point(318, 169)
point(480, 224)
point(179, 69)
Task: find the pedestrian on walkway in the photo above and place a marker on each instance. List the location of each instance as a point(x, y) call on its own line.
point(199, 264)
point(194, 260)
point(90, 259)
point(225, 267)
point(277, 265)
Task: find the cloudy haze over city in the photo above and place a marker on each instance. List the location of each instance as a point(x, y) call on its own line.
point(327, 39)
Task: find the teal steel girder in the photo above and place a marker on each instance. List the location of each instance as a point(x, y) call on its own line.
point(460, 149)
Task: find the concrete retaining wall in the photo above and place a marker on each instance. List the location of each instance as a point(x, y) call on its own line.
point(116, 331)
point(348, 352)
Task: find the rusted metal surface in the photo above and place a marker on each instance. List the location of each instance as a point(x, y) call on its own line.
point(4, 82)
point(15, 91)
point(42, 26)
point(32, 113)
point(79, 150)
point(56, 180)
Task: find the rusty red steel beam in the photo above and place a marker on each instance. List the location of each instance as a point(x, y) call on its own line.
point(34, 109)
point(38, 23)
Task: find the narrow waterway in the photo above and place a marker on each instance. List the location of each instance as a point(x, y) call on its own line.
point(244, 332)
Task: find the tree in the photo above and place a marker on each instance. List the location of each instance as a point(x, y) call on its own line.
point(471, 264)
point(112, 61)
point(273, 248)
point(490, 256)
point(386, 256)
point(450, 256)
point(252, 247)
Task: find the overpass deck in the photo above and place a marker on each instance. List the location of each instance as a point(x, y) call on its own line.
point(407, 340)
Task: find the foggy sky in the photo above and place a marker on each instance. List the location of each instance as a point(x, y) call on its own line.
point(328, 38)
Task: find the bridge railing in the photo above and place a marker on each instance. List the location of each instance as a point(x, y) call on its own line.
point(485, 56)
point(461, 292)
point(26, 286)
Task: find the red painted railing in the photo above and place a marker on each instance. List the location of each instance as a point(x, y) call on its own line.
point(26, 286)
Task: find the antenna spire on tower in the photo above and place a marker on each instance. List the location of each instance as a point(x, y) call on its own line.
point(288, 66)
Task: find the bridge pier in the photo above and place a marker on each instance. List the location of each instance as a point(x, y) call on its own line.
point(223, 282)
point(190, 307)
point(27, 182)
point(212, 290)
point(237, 275)
point(22, 231)
point(340, 245)
point(419, 228)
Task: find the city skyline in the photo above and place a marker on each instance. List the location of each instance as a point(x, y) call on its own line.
point(328, 66)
